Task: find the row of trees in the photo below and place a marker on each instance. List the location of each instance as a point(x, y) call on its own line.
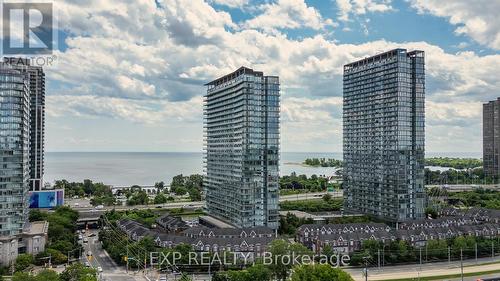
point(302, 182)
point(456, 163)
point(181, 185)
point(191, 185)
point(101, 194)
point(74, 272)
point(310, 272)
point(450, 162)
point(450, 176)
point(323, 162)
point(402, 252)
point(485, 198)
point(327, 204)
point(62, 235)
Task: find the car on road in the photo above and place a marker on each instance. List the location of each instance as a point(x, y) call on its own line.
point(99, 207)
point(87, 264)
point(99, 269)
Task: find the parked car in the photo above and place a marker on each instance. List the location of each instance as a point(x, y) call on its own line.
point(99, 269)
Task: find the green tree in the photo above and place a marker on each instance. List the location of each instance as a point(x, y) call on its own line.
point(160, 198)
point(280, 248)
point(319, 272)
point(327, 197)
point(23, 261)
point(37, 215)
point(177, 182)
point(159, 186)
point(44, 275)
point(180, 191)
point(78, 272)
point(47, 275)
point(56, 257)
point(138, 198)
point(259, 272)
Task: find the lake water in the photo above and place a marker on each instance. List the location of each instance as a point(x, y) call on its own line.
point(146, 168)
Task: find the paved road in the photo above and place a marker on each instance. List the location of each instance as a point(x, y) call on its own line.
point(84, 206)
point(110, 271)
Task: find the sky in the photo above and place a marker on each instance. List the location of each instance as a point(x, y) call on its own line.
point(129, 74)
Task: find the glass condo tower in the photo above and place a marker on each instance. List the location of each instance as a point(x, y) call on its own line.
point(14, 149)
point(383, 136)
point(242, 118)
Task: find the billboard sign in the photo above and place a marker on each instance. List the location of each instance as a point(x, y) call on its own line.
point(46, 198)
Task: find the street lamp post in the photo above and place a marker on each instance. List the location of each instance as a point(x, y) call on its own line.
point(365, 259)
point(461, 265)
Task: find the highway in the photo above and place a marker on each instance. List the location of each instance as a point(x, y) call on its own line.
point(84, 204)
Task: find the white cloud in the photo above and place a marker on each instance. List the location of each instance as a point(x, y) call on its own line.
point(144, 112)
point(477, 19)
point(231, 3)
point(153, 72)
point(290, 14)
point(361, 7)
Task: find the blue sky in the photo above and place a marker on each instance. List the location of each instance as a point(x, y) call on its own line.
point(129, 77)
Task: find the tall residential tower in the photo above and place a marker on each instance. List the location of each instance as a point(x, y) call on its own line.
point(491, 138)
point(242, 117)
point(36, 80)
point(14, 149)
point(383, 123)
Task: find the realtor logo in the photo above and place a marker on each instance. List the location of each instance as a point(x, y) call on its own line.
point(27, 28)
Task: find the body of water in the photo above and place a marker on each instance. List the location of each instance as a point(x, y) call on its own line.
point(146, 168)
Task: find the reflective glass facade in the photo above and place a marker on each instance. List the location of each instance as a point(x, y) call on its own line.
point(491, 138)
point(242, 117)
point(383, 126)
point(36, 80)
point(14, 149)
